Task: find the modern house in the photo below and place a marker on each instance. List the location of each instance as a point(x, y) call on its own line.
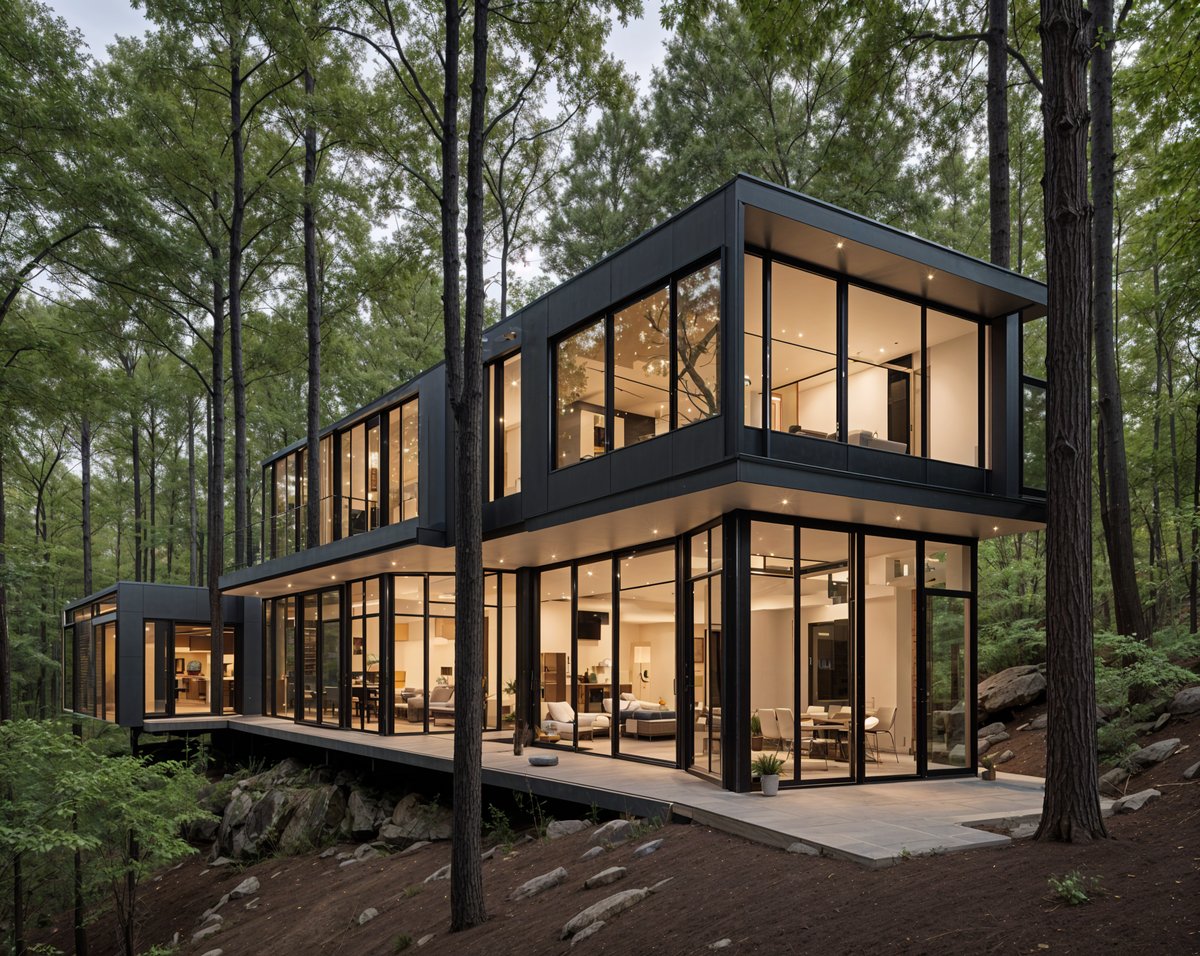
point(736, 476)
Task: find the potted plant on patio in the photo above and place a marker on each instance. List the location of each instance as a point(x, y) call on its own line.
point(989, 767)
point(767, 768)
point(756, 736)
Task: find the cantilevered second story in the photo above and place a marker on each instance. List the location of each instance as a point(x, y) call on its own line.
point(759, 350)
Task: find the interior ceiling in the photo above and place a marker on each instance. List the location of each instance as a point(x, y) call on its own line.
point(810, 244)
point(646, 528)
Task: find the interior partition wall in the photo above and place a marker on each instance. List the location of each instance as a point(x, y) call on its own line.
point(858, 647)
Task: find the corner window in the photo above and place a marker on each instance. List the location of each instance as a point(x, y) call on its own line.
point(1033, 405)
point(403, 462)
point(652, 385)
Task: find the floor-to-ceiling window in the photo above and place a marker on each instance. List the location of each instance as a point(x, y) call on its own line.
point(408, 652)
point(948, 626)
point(706, 642)
point(366, 658)
point(646, 645)
point(504, 427)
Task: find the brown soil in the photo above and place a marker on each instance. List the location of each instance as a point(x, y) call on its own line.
point(764, 900)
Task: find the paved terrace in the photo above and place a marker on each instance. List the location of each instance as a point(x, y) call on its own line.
point(874, 824)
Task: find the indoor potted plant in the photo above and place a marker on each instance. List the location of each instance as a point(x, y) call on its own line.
point(756, 737)
point(767, 768)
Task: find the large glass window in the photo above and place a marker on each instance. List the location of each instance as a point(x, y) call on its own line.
point(403, 462)
point(504, 432)
point(889, 638)
point(634, 398)
point(408, 652)
point(597, 694)
point(646, 652)
point(752, 341)
point(698, 346)
point(579, 376)
point(1033, 404)
point(642, 369)
point(365, 655)
point(803, 352)
point(883, 373)
point(952, 368)
point(948, 589)
point(555, 662)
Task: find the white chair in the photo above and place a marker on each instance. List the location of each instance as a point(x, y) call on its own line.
point(770, 724)
point(885, 722)
point(787, 728)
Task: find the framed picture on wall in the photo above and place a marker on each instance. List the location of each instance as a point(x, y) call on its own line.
point(179, 665)
point(698, 650)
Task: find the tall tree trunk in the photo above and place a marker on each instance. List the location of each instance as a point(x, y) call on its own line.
point(81, 938)
point(6, 703)
point(216, 453)
point(152, 527)
point(465, 379)
point(138, 531)
point(1071, 810)
point(241, 489)
point(1113, 471)
point(1173, 445)
point(1194, 582)
point(193, 510)
point(85, 470)
point(312, 301)
point(997, 126)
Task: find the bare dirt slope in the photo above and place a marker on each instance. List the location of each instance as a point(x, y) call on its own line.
point(763, 900)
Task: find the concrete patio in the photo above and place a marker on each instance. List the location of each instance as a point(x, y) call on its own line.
point(872, 824)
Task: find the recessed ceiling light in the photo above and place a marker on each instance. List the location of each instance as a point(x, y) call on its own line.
point(289, 585)
point(333, 577)
point(393, 564)
point(840, 244)
point(784, 501)
point(930, 276)
point(995, 527)
point(654, 531)
point(897, 517)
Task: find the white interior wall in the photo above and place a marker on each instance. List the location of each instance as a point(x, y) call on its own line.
point(954, 400)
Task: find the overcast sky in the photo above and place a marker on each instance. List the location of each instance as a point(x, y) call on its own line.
point(639, 44)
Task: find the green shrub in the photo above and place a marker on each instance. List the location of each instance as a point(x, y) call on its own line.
point(1009, 643)
point(1130, 672)
point(1074, 888)
point(766, 765)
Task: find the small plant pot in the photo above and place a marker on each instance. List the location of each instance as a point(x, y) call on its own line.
point(756, 743)
point(770, 784)
point(988, 773)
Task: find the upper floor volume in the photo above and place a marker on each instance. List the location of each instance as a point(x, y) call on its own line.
point(758, 336)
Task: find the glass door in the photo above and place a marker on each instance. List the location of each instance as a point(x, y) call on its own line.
point(949, 731)
point(705, 653)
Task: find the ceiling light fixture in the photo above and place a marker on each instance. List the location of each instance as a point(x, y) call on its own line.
point(840, 244)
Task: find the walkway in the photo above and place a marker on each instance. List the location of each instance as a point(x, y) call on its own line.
point(872, 824)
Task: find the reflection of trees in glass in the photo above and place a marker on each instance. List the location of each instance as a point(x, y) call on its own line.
point(643, 332)
point(574, 355)
point(698, 344)
point(1033, 473)
point(946, 655)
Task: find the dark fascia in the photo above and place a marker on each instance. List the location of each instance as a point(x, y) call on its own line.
point(791, 204)
point(110, 591)
point(113, 591)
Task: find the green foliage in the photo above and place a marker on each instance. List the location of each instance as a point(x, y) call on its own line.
point(766, 765)
point(755, 725)
point(1074, 888)
point(497, 829)
point(402, 943)
point(1131, 672)
point(1006, 644)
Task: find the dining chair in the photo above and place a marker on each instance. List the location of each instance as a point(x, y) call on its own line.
point(770, 724)
point(787, 728)
point(887, 721)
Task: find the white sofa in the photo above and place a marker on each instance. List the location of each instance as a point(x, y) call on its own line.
point(561, 719)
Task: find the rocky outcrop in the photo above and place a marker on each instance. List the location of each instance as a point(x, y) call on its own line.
point(318, 813)
point(1011, 688)
point(1186, 702)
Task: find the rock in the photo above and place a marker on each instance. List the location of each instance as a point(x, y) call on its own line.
point(367, 915)
point(1187, 701)
point(1004, 757)
point(327, 853)
point(992, 739)
point(539, 884)
point(253, 904)
point(993, 728)
point(1135, 801)
point(419, 845)
point(215, 952)
point(1012, 688)
point(221, 861)
point(982, 747)
point(317, 813)
point(231, 821)
point(202, 831)
point(660, 884)
point(212, 909)
point(440, 874)
point(607, 907)
point(427, 938)
point(592, 853)
point(562, 828)
point(1190, 773)
point(543, 760)
point(266, 820)
point(1038, 723)
point(212, 918)
point(350, 862)
point(1159, 724)
point(1113, 782)
point(366, 852)
point(1154, 753)
point(721, 943)
point(414, 822)
point(589, 931)
point(647, 848)
point(210, 930)
point(361, 811)
point(604, 877)
point(247, 887)
point(806, 849)
point(615, 831)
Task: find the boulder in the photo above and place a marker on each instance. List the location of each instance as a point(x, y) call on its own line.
point(1038, 723)
point(1192, 771)
point(592, 853)
point(366, 852)
point(367, 915)
point(992, 728)
point(605, 877)
point(232, 820)
point(288, 770)
point(202, 831)
point(805, 849)
point(439, 874)
point(1004, 757)
point(1112, 783)
point(318, 812)
point(361, 811)
point(248, 887)
point(647, 848)
point(613, 832)
point(983, 747)
point(266, 820)
point(539, 884)
point(1135, 801)
point(204, 932)
point(414, 822)
point(419, 845)
point(992, 739)
point(1011, 688)
point(608, 907)
point(1187, 701)
point(562, 828)
point(723, 943)
point(1152, 754)
point(589, 931)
